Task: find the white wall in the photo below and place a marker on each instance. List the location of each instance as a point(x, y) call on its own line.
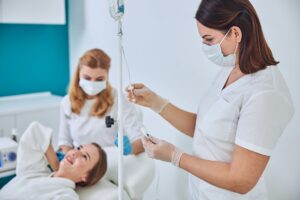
point(164, 52)
point(280, 21)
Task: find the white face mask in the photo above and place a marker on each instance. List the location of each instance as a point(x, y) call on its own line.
point(214, 54)
point(92, 88)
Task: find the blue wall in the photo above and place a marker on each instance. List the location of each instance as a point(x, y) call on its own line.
point(33, 58)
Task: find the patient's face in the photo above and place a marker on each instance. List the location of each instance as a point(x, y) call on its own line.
point(78, 162)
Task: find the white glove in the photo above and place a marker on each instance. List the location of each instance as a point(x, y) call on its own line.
point(162, 150)
point(141, 95)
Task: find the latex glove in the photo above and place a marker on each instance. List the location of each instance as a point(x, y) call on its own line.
point(127, 148)
point(141, 95)
point(60, 155)
point(162, 150)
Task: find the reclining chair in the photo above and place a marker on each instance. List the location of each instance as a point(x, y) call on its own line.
point(138, 175)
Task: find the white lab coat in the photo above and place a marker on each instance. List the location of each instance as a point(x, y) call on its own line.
point(252, 112)
point(33, 178)
point(82, 129)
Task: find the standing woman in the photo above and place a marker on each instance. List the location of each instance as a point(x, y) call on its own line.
point(241, 117)
point(90, 99)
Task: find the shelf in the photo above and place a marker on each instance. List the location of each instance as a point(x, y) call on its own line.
point(28, 102)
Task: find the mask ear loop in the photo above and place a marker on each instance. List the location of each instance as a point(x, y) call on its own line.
point(225, 36)
point(237, 44)
point(224, 39)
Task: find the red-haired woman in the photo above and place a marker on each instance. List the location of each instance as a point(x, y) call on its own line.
point(90, 99)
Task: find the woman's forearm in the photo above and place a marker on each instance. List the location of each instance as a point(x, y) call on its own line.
point(52, 158)
point(240, 175)
point(213, 172)
point(182, 120)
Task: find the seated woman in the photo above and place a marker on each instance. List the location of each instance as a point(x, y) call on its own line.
point(83, 166)
point(90, 99)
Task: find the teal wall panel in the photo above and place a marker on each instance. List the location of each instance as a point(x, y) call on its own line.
point(33, 58)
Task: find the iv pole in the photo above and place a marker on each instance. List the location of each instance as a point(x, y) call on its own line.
point(117, 11)
point(120, 114)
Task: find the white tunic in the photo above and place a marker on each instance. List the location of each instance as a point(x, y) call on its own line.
point(33, 178)
point(252, 112)
point(82, 129)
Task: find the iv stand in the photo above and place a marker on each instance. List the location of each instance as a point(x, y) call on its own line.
point(117, 12)
point(120, 114)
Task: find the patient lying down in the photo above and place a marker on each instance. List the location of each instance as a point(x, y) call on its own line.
point(83, 166)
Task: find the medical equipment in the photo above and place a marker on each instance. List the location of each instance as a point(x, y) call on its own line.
point(14, 134)
point(131, 88)
point(145, 133)
point(8, 154)
point(117, 11)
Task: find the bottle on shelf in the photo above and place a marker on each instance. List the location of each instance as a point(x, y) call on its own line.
point(14, 134)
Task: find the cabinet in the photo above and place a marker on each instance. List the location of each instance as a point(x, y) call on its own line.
point(32, 11)
point(6, 124)
point(20, 110)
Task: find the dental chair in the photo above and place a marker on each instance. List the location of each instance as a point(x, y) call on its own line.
point(138, 175)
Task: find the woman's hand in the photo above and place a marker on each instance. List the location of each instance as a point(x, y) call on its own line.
point(162, 150)
point(141, 95)
point(64, 148)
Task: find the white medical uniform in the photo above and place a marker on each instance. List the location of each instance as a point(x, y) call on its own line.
point(252, 112)
point(82, 129)
point(33, 178)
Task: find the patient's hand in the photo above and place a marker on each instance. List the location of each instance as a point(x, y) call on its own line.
point(52, 158)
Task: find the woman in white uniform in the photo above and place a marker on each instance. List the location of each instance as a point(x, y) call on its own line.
point(80, 167)
point(91, 98)
point(240, 118)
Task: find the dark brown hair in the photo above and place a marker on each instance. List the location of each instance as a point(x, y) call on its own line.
point(98, 171)
point(94, 58)
point(254, 52)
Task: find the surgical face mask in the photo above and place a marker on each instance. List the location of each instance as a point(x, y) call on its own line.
point(214, 54)
point(92, 88)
